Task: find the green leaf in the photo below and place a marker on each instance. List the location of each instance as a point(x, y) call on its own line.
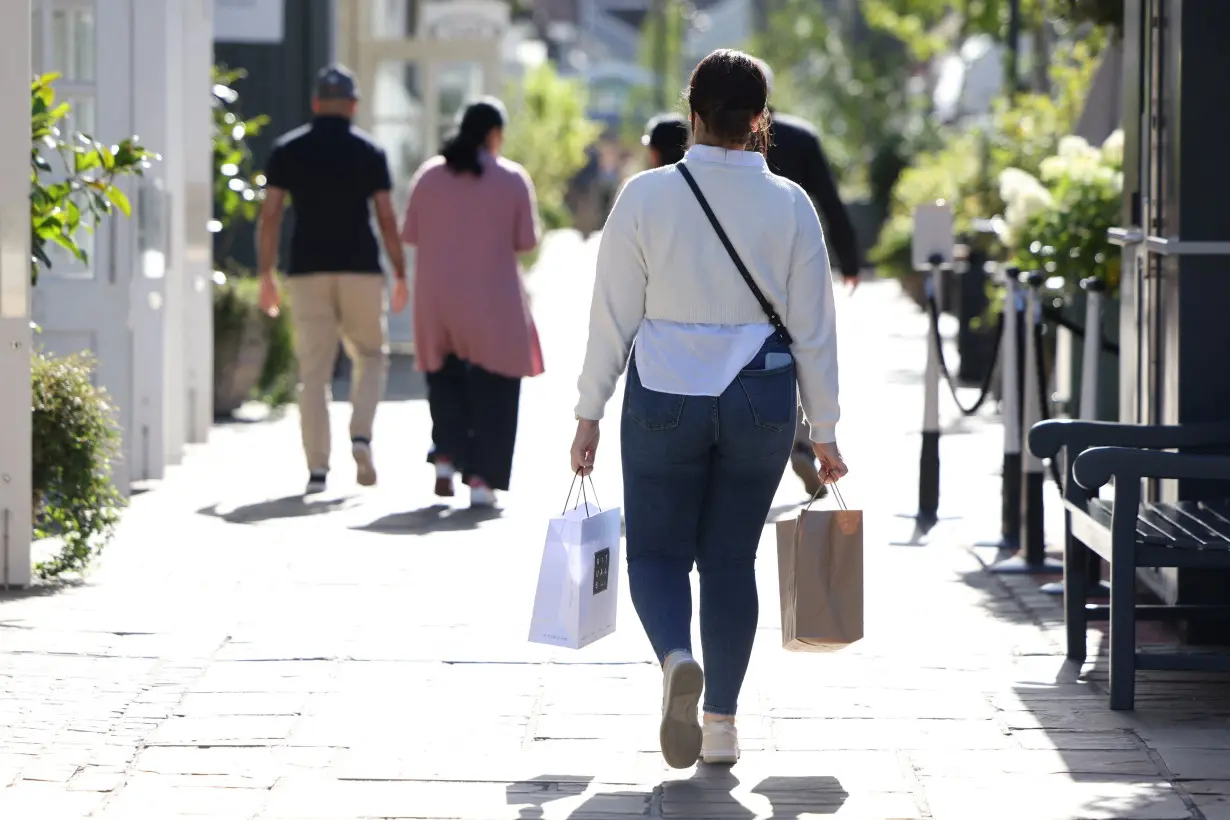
point(119, 200)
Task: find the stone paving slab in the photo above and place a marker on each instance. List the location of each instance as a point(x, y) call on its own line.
point(243, 655)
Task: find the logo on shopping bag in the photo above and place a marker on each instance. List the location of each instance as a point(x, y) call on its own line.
point(602, 570)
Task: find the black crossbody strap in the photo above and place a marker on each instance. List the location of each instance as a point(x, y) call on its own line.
point(778, 325)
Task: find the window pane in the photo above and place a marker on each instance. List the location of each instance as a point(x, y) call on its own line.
point(72, 44)
point(391, 19)
point(459, 85)
point(80, 118)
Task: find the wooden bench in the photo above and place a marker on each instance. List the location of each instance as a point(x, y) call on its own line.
point(1130, 533)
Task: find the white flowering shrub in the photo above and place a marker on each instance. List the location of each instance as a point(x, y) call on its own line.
point(1057, 222)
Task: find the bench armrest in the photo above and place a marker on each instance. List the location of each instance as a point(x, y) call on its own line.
point(1095, 467)
point(1047, 438)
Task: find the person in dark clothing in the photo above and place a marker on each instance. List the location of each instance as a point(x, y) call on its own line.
point(795, 153)
point(666, 137)
point(334, 176)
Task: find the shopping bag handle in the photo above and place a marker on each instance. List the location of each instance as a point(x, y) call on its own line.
point(841, 502)
point(798, 523)
point(582, 496)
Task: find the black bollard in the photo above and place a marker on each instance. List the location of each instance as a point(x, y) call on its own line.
point(1031, 557)
point(929, 460)
point(1010, 373)
point(1091, 358)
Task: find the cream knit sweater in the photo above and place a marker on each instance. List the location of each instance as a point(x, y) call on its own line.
point(660, 259)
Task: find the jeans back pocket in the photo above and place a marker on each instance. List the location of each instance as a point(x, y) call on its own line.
point(771, 395)
point(650, 409)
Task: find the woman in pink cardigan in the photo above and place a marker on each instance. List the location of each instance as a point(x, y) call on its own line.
point(471, 212)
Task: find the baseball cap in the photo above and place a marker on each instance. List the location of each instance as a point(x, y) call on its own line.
point(336, 82)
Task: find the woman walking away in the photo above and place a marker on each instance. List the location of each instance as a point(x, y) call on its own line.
point(725, 289)
point(470, 213)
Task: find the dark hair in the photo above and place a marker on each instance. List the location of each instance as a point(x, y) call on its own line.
point(728, 90)
point(668, 135)
point(477, 122)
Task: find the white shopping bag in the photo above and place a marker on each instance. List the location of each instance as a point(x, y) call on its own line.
point(578, 580)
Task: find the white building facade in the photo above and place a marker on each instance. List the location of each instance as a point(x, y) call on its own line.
point(142, 305)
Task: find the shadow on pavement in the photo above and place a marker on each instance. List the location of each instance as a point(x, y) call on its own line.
point(291, 506)
point(544, 789)
point(1126, 762)
point(39, 589)
point(710, 793)
point(436, 518)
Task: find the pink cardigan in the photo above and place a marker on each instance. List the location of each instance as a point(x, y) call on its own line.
point(469, 299)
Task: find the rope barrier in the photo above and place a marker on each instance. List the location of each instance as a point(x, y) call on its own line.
point(987, 380)
point(1053, 314)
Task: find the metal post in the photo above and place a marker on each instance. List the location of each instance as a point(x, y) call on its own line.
point(1032, 555)
point(1091, 358)
point(929, 460)
point(1010, 375)
point(1091, 354)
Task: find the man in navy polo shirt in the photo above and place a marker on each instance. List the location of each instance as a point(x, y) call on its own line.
point(332, 173)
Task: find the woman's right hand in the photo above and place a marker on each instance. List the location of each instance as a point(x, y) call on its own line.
point(832, 466)
point(584, 447)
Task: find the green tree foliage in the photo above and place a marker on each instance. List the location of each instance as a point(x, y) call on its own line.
point(1022, 133)
point(853, 82)
point(548, 132)
point(81, 191)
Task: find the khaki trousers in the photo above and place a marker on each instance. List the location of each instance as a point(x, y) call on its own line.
point(327, 308)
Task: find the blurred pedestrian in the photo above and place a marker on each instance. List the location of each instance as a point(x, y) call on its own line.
point(332, 172)
point(728, 308)
point(666, 138)
point(471, 212)
point(795, 152)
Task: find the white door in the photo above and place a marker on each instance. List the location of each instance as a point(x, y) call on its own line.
point(86, 307)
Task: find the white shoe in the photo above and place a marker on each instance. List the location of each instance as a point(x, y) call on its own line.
point(481, 496)
point(365, 468)
point(719, 742)
point(683, 681)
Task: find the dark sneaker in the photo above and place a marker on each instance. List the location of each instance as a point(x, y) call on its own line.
point(803, 461)
point(316, 483)
point(445, 473)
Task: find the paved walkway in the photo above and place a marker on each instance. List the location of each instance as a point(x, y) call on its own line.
point(242, 654)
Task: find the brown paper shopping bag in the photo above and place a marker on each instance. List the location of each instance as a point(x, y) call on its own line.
point(820, 573)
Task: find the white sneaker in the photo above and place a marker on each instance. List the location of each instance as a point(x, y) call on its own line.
point(683, 681)
point(719, 742)
point(365, 468)
point(481, 495)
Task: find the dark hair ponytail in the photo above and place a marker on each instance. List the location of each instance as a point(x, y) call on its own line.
point(728, 92)
point(461, 152)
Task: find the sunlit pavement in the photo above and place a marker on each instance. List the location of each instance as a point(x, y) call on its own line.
point(240, 653)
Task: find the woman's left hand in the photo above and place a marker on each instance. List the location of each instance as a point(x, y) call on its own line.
point(584, 447)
